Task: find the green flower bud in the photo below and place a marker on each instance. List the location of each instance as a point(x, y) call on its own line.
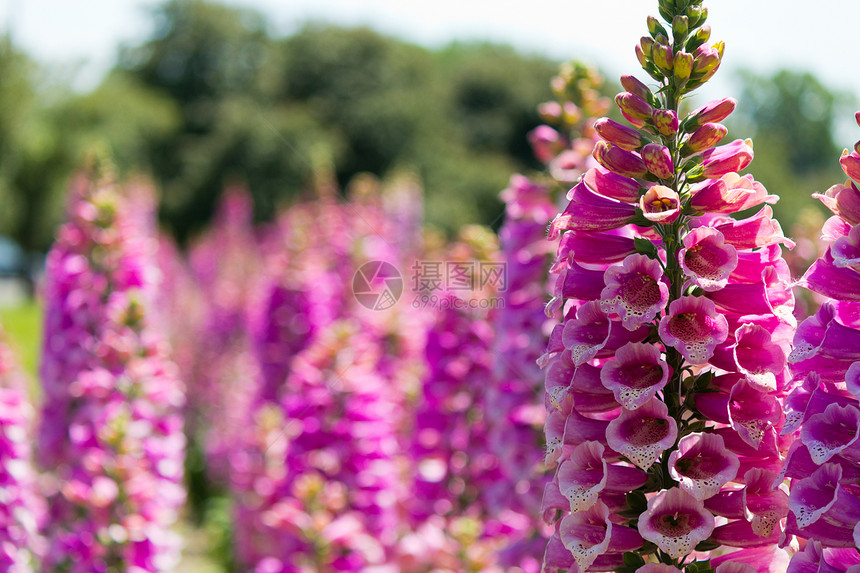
point(647, 45)
point(663, 57)
point(680, 27)
point(683, 67)
point(654, 27)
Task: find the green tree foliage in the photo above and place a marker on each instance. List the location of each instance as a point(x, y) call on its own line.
point(791, 115)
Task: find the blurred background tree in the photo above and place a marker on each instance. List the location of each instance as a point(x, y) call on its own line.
point(213, 97)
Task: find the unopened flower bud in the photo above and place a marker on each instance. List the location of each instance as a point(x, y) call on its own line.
point(571, 113)
point(549, 111)
point(663, 57)
point(658, 160)
point(856, 116)
point(655, 28)
point(707, 59)
point(851, 164)
point(705, 137)
point(619, 161)
point(680, 27)
point(618, 134)
point(643, 59)
point(666, 121)
point(637, 88)
point(634, 106)
point(647, 45)
point(682, 67)
point(694, 13)
point(701, 36)
point(711, 112)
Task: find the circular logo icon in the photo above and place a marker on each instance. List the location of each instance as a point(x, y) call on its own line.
point(377, 285)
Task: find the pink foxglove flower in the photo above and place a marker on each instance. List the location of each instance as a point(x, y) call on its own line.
point(689, 339)
point(634, 291)
point(676, 522)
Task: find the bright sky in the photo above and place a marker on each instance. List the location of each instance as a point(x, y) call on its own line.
point(760, 34)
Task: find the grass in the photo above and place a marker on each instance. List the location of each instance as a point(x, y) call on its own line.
point(22, 326)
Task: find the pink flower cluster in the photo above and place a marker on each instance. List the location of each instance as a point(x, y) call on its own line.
point(823, 409)
point(665, 378)
point(21, 508)
point(111, 430)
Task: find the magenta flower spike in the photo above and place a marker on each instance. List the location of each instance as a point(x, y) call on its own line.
point(707, 259)
point(697, 401)
point(642, 435)
point(636, 375)
point(634, 291)
point(702, 466)
point(676, 522)
point(694, 327)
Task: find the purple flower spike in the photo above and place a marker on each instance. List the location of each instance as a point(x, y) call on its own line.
point(707, 259)
point(758, 358)
point(694, 328)
point(586, 335)
point(701, 465)
point(658, 160)
point(831, 432)
point(676, 522)
point(660, 205)
point(642, 435)
point(634, 291)
point(636, 374)
point(586, 534)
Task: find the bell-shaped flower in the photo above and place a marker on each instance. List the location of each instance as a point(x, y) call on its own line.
point(851, 165)
point(579, 283)
point(752, 412)
point(701, 465)
point(765, 559)
point(727, 158)
point(660, 205)
point(812, 497)
point(707, 259)
point(597, 248)
point(758, 358)
point(634, 291)
point(843, 200)
point(852, 379)
point(642, 435)
point(586, 534)
point(586, 335)
point(658, 160)
point(590, 211)
point(760, 230)
point(636, 375)
point(729, 194)
point(694, 328)
point(612, 185)
point(825, 278)
point(831, 432)
point(585, 474)
point(846, 250)
point(676, 522)
point(764, 505)
point(615, 159)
